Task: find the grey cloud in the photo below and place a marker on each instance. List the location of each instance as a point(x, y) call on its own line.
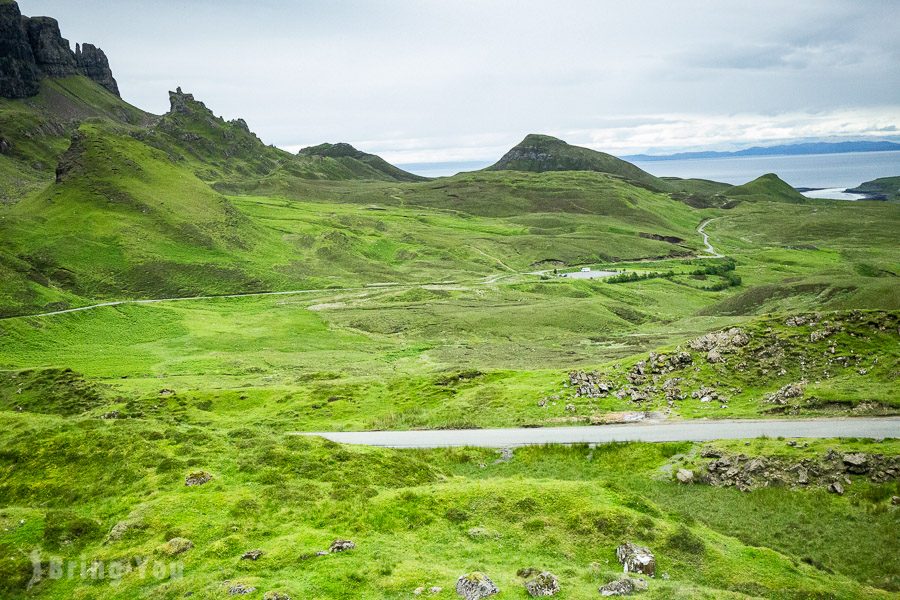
point(447, 78)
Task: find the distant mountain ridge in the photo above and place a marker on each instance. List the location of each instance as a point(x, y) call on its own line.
point(782, 150)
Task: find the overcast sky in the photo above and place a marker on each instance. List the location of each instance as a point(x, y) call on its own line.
point(454, 80)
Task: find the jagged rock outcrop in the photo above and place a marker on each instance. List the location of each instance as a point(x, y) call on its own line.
point(51, 50)
point(93, 64)
point(32, 48)
point(19, 75)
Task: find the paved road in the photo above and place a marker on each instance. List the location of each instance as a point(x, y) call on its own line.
point(709, 247)
point(686, 431)
point(489, 280)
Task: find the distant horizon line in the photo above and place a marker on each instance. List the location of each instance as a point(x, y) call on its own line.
point(805, 148)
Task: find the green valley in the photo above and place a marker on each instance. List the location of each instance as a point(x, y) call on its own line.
point(178, 297)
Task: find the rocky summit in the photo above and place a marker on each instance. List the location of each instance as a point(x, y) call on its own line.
point(32, 48)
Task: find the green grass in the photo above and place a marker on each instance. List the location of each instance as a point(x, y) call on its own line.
point(410, 514)
point(416, 304)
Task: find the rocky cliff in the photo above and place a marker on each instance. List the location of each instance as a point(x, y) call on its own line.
point(33, 47)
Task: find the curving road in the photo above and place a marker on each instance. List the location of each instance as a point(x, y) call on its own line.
point(488, 280)
point(710, 251)
point(680, 431)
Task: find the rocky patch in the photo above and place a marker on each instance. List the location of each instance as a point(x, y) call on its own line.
point(196, 478)
point(786, 393)
point(541, 584)
point(623, 587)
point(831, 471)
point(176, 546)
point(636, 559)
point(341, 546)
point(475, 586)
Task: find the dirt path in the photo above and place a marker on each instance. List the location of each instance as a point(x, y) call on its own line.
point(488, 280)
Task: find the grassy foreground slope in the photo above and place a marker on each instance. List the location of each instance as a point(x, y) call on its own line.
point(113, 493)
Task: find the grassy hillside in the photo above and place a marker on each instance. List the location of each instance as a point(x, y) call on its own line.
point(264, 293)
point(883, 188)
point(124, 220)
point(767, 187)
point(356, 160)
point(37, 130)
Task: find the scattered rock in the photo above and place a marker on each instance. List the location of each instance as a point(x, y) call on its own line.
point(623, 587)
point(341, 546)
point(542, 584)
point(435, 589)
point(240, 589)
point(721, 341)
point(252, 555)
point(857, 463)
point(685, 476)
point(836, 488)
point(273, 595)
point(117, 532)
point(895, 500)
point(588, 385)
point(176, 546)
point(785, 393)
point(506, 455)
point(796, 321)
point(197, 478)
point(481, 533)
point(475, 586)
point(636, 559)
point(747, 473)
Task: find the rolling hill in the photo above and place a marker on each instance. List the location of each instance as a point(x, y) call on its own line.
point(541, 153)
point(883, 188)
point(767, 187)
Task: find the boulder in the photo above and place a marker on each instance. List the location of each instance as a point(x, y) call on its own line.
point(836, 488)
point(275, 595)
point(241, 589)
point(542, 584)
point(857, 463)
point(475, 586)
point(252, 555)
point(341, 546)
point(685, 476)
point(636, 559)
point(176, 546)
point(196, 478)
point(623, 587)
